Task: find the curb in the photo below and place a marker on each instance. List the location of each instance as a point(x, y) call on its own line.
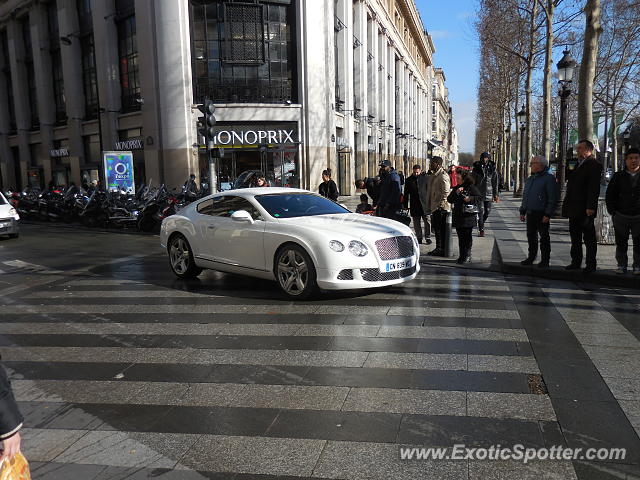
point(602, 277)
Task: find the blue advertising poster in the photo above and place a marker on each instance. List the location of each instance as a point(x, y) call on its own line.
point(118, 171)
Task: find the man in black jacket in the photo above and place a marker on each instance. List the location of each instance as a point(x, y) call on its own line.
point(581, 205)
point(487, 183)
point(390, 191)
point(623, 203)
point(413, 203)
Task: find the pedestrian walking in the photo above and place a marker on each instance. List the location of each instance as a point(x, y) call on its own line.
point(538, 204)
point(487, 184)
point(466, 199)
point(581, 205)
point(328, 187)
point(438, 189)
point(413, 202)
point(390, 191)
point(453, 176)
point(10, 419)
point(623, 203)
point(372, 185)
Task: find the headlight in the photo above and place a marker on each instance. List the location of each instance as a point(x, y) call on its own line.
point(336, 246)
point(359, 249)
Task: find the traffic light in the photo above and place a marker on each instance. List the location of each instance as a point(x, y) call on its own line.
point(207, 121)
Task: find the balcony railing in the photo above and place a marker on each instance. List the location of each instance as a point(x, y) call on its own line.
point(275, 91)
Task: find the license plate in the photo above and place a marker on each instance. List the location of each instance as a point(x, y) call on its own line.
point(399, 264)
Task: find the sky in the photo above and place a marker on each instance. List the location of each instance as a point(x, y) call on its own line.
point(450, 24)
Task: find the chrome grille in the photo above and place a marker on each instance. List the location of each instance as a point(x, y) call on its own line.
point(375, 275)
point(395, 247)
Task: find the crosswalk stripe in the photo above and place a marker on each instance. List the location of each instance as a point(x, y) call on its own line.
point(296, 397)
point(451, 333)
point(260, 309)
point(307, 358)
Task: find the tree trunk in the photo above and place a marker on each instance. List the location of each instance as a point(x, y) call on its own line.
point(588, 69)
point(548, 61)
point(530, 67)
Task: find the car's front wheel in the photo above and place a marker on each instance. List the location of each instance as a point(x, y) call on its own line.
point(181, 258)
point(295, 272)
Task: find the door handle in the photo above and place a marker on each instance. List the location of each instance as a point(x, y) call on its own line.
point(211, 227)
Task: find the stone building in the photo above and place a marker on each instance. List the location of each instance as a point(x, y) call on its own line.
point(299, 86)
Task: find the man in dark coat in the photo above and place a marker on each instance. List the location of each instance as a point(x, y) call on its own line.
point(390, 191)
point(10, 418)
point(623, 203)
point(487, 184)
point(581, 205)
point(372, 184)
point(538, 204)
point(413, 202)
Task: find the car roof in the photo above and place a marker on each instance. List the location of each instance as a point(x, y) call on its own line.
point(252, 192)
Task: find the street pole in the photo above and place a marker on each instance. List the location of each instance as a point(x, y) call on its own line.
point(523, 165)
point(562, 147)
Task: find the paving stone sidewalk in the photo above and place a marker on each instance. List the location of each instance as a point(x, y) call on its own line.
point(505, 246)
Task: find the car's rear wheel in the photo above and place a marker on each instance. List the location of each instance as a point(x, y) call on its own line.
point(181, 258)
point(295, 272)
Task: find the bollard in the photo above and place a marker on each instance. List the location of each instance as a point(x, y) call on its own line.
point(447, 237)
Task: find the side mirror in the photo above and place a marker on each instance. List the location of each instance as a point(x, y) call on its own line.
point(241, 216)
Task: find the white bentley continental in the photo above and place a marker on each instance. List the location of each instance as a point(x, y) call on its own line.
point(300, 239)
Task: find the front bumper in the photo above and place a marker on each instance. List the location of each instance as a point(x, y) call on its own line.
point(361, 278)
point(9, 226)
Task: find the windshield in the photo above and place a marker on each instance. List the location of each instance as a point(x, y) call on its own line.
point(2, 200)
point(290, 205)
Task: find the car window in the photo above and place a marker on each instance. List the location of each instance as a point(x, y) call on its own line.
point(205, 207)
point(289, 205)
point(2, 200)
point(233, 204)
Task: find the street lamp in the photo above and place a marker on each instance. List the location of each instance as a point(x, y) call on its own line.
point(626, 135)
point(522, 116)
point(566, 67)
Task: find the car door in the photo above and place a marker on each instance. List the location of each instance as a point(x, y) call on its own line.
point(240, 243)
point(207, 220)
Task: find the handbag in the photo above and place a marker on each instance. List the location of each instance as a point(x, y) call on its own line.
point(403, 217)
point(16, 468)
point(470, 208)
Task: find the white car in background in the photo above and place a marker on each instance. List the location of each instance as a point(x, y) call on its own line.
point(8, 218)
point(298, 238)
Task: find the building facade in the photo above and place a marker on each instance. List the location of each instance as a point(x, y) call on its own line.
point(299, 86)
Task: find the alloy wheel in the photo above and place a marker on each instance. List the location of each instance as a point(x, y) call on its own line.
point(293, 272)
point(179, 256)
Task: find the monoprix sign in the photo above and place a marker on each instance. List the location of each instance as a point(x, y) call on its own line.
point(118, 171)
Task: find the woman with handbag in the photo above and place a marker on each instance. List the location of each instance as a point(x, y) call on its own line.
point(465, 198)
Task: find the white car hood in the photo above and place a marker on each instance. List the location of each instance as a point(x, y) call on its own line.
point(353, 224)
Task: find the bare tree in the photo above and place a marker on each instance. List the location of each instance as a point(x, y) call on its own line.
point(592, 32)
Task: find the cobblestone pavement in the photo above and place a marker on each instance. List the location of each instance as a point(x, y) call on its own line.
point(122, 371)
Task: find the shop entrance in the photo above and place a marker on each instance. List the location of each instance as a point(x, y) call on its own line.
point(278, 166)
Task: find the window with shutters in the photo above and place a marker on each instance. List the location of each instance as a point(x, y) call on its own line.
point(243, 40)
